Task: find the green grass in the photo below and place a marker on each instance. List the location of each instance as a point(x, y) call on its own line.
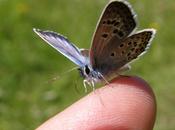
point(27, 63)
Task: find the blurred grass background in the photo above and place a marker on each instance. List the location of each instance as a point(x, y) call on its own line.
point(27, 63)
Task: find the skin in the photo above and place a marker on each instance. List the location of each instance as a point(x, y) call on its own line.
point(127, 103)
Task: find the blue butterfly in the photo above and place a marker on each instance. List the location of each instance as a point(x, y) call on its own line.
point(114, 44)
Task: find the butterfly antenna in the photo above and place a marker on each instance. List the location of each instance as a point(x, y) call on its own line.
point(76, 86)
point(70, 70)
point(57, 77)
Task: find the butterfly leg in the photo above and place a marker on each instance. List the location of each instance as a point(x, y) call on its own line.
point(88, 82)
point(84, 84)
point(100, 75)
point(93, 85)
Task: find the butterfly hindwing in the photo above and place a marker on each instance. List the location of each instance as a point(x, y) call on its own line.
point(118, 55)
point(136, 44)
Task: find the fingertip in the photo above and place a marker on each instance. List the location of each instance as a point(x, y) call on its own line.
point(134, 81)
point(139, 97)
point(126, 103)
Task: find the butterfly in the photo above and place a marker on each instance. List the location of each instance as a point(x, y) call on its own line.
point(114, 45)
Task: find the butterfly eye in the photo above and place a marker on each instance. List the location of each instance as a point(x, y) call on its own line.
point(128, 54)
point(87, 70)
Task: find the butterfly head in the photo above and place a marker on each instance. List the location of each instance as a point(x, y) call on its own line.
point(89, 74)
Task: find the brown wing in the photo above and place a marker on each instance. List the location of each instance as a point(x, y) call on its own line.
point(117, 55)
point(116, 23)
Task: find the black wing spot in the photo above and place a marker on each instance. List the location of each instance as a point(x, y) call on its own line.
point(112, 54)
point(104, 22)
point(142, 49)
point(135, 44)
point(129, 43)
point(121, 45)
point(116, 23)
point(105, 35)
point(129, 54)
point(136, 51)
point(121, 34)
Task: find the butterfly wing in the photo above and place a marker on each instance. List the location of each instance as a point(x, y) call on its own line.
point(62, 44)
point(116, 23)
point(118, 55)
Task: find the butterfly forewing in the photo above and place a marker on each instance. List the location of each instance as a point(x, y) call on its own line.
point(62, 44)
point(117, 22)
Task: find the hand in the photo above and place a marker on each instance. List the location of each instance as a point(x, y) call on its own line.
point(128, 103)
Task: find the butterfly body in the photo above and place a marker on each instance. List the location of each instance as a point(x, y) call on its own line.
point(114, 45)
